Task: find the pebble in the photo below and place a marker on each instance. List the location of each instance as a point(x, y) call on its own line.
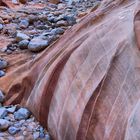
point(3, 64)
point(21, 36)
point(37, 44)
point(24, 23)
point(23, 44)
point(1, 26)
point(52, 19)
point(15, 2)
point(2, 73)
point(61, 23)
point(2, 97)
point(4, 124)
point(3, 112)
point(71, 20)
point(13, 130)
point(22, 113)
point(12, 47)
point(41, 135)
point(3, 49)
point(57, 31)
point(9, 51)
point(36, 135)
point(42, 27)
point(61, 6)
point(2, 134)
point(11, 109)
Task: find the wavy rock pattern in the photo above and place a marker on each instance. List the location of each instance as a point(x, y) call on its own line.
point(86, 86)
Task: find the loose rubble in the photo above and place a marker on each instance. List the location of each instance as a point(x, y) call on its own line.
point(35, 29)
point(17, 123)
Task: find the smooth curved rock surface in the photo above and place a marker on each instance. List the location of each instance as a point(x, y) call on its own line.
point(86, 86)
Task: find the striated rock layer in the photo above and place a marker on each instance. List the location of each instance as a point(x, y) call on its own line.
point(86, 86)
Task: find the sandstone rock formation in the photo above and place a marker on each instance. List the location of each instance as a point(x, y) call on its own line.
point(86, 86)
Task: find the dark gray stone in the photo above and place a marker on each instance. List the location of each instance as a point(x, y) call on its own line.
point(2, 73)
point(57, 31)
point(23, 44)
point(21, 36)
point(61, 23)
point(11, 109)
point(3, 112)
point(12, 47)
point(52, 38)
point(42, 27)
point(2, 97)
point(4, 124)
point(13, 130)
point(70, 19)
point(3, 64)
point(37, 44)
point(52, 19)
point(22, 114)
point(24, 23)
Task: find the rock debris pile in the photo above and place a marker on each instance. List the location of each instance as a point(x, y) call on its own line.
point(17, 123)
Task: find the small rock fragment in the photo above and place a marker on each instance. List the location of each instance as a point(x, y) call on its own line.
point(61, 23)
point(36, 135)
point(71, 20)
point(3, 64)
point(21, 36)
point(3, 112)
point(22, 113)
point(11, 109)
point(2, 73)
point(1, 26)
point(8, 51)
point(57, 31)
point(2, 97)
point(13, 130)
point(24, 23)
point(37, 44)
point(4, 124)
point(23, 44)
point(15, 2)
